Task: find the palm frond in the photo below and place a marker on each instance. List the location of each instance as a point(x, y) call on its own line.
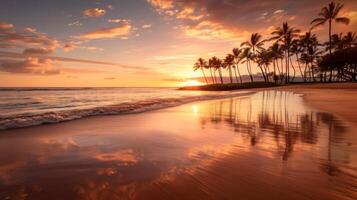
point(343, 20)
point(318, 20)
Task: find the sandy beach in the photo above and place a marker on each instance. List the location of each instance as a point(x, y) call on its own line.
point(272, 144)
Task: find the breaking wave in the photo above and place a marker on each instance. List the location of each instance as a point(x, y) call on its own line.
point(26, 120)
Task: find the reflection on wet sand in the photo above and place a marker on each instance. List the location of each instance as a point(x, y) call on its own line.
point(265, 146)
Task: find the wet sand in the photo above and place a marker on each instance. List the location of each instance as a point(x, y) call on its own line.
point(269, 145)
point(337, 98)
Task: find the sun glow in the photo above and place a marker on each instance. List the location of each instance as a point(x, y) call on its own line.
point(192, 83)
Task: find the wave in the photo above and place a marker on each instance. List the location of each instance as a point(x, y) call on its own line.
point(42, 89)
point(20, 121)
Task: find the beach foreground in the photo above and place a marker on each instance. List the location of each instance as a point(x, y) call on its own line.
point(269, 145)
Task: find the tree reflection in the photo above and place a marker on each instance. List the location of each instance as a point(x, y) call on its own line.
point(275, 116)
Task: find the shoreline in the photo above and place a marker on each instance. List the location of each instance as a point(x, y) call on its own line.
point(325, 97)
point(26, 121)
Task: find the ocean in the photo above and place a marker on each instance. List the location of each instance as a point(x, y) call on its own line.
point(23, 107)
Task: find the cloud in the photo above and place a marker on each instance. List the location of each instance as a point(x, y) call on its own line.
point(94, 12)
point(75, 23)
point(120, 31)
point(30, 65)
point(278, 11)
point(65, 59)
point(28, 38)
point(117, 20)
point(231, 20)
point(37, 51)
point(145, 26)
point(72, 46)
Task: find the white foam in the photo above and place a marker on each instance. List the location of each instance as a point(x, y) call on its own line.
point(20, 121)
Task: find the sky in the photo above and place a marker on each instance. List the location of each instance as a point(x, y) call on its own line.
point(136, 43)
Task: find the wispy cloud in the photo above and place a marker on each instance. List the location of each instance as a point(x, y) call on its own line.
point(44, 64)
point(145, 26)
point(119, 20)
point(27, 38)
point(75, 23)
point(94, 12)
point(120, 31)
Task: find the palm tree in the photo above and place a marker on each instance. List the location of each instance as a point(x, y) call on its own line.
point(201, 64)
point(248, 56)
point(217, 63)
point(350, 39)
point(337, 42)
point(211, 65)
point(285, 35)
point(236, 53)
point(277, 53)
point(309, 44)
point(263, 59)
point(329, 14)
point(296, 49)
point(229, 62)
point(255, 43)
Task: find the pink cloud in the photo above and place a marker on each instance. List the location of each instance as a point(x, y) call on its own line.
point(94, 12)
point(121, 31)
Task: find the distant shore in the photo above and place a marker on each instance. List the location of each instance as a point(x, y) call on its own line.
point(265, 85)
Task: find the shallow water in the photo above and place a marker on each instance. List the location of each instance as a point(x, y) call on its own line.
point(24, 107)
point(269, 145)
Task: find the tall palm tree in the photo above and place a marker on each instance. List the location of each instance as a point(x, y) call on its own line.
point(247, 55)
point(296, 49)
point(350, 39)
point(201, 64)
point(217, 64)
point(308, 43)
point(277, 53)
point(330, 14)
point(228, 63)
point(236, 53)
point(212, 68)
point(209, 67)
point(285, 35)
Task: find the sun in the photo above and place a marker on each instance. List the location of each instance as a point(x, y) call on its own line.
point(192, 83)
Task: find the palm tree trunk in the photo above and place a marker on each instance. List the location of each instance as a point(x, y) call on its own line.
point(291, 62)
point(250, 72)
point(204, 75)
point(330, 44)
point(215, 76)
point(235, 74)
point(261, 69)
point(287, 66)
point(302, 75)
point(230, 74)
point(220, 74)
point(212, 75)
point(329, 35)
point(240, 77)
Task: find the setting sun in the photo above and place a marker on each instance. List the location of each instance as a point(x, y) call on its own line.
point(192, 83)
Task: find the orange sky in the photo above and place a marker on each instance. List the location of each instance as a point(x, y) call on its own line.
point(135, 43)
